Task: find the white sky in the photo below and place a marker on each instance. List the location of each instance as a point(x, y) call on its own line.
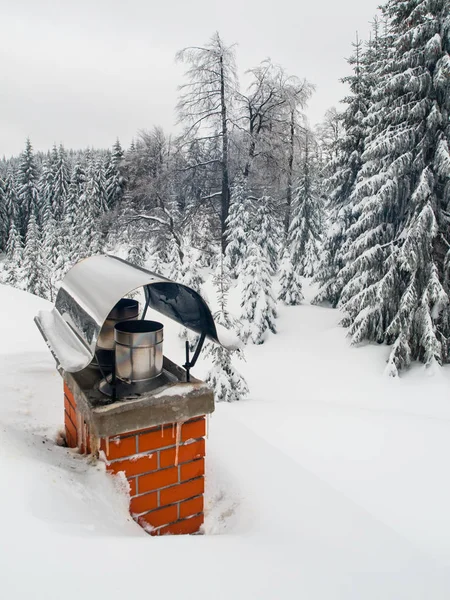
point(83, 72)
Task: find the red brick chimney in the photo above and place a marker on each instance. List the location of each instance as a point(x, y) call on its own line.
point(125, 402)
point(164, 466)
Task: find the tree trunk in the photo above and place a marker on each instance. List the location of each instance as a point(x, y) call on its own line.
point(225, 174)
point(252, 148)
point(287, 216)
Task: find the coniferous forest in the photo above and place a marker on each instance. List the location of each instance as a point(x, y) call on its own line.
point(248, 188)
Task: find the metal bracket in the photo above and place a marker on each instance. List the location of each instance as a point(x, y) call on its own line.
point(191, 363)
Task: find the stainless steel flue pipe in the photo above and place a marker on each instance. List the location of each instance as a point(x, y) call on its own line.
point(138, 350)
point(124, 310)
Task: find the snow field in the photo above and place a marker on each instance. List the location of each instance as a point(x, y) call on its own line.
point(329, 482)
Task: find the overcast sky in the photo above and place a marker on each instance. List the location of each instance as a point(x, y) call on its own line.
point(86, 71)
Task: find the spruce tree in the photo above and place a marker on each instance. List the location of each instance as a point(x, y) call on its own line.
point(258, 304)
point(137, 252)
point(61, 180)
point(395, 288)
point(290, 281)
point(305, 233)
point(92, 207)
point(238, 225)
point(115, 181)
point(190, 276)
point(12, 272)
point(189, 273)
point(303, 244)
point(46, 188)
point(63, 261)
point(228, 384)
point(27, 190)
point(11, 198)
point(51, 251)
point(98, 190)
point(268, 231)
point(73, 218)
point(174, 262)
point(34, 275)
point(4, 221)
point(344, 169)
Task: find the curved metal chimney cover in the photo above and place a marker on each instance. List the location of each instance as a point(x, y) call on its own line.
point(89, 292)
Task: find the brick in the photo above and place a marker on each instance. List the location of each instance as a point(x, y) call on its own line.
point(144, 503)
point(193, 429)
point(70, 442)
point(68, 408)
point(153, 441)
point(142, 464)
point(186, 453)
point(192, 470)
point(183, 491)
point(159, 517)
point(132, 483)
point(157, 480)
point(72, 430)
point(185, 527)
point(190, 430)
point(119, 447)
point(69, 395)
point(191, 507)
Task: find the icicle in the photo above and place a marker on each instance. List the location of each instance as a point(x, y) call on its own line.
point(107, 447)
point(177, 442)
point(173, 429)
point(162, 431)
point(95, 447)
point(79, 431)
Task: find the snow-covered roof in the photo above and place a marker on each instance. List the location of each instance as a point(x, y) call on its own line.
point(92, 288)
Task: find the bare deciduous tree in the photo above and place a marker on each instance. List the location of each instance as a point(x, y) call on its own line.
point(205, 103)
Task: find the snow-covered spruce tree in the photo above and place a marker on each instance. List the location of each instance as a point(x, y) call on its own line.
point(99, 195)
point(115, 181)
point(174, 261)
point(258, 305)
point(50, 249)
point(301, 254)
point(137, 252)
point(4, 221)
point(190, 276)
point(62, 262)
point(228, 384)
point(12, 272)
point(27, 189)
point(189, 273)
point(92, 205)
point(46, 188)
point(290, 281)
point(238, 224)
point(11, 199)
point(72, 216)
point(61, 180)
point(34, 276)
point(307, 222)
point(344, 169)
point(268, 231)
point(395, 287)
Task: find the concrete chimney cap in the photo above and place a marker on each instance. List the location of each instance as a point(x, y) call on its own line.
point(92, 288)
